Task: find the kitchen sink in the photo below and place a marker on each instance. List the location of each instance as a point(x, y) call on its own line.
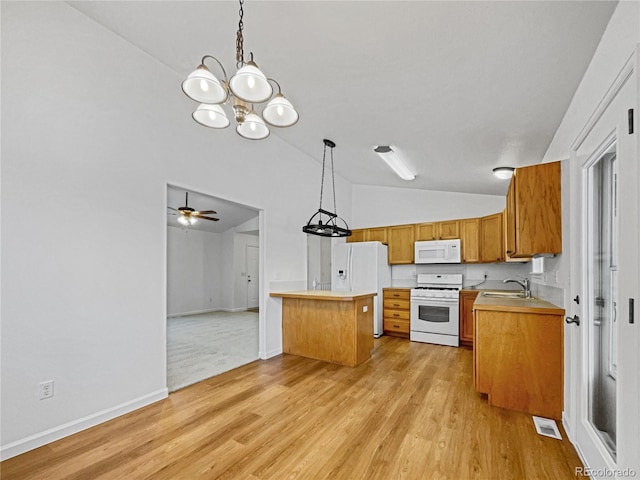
point(504, 295)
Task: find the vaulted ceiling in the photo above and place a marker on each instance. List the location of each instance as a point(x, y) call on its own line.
point(456, 87)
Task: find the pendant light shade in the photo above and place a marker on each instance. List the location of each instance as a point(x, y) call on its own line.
point(202, 86)
point(333, 225)
point(279, 112)
point(253, 127)
point(250, 84)
point(212, 116)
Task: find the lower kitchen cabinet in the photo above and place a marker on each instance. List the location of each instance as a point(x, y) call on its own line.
point(518, 359)
point(396, 311)
point(467, 298)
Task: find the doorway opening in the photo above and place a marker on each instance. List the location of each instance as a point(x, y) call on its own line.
point(213, 286)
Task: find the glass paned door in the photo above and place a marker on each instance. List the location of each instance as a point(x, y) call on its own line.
point(602, 296)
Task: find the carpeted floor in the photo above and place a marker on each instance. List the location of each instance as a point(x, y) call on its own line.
point(204, 345)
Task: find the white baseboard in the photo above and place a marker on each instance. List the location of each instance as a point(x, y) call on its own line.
point(269, 354)
point(56, 433)
point(195, 312)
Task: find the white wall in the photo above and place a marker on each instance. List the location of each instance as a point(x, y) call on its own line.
point(194, 273)
point(379, 206)
point(93, 127)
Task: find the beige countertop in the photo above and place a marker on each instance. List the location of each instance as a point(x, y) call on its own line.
point(522, 305)
point(324, 295)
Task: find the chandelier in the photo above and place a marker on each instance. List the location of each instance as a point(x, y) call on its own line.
point(248, 87)
point(330, 227)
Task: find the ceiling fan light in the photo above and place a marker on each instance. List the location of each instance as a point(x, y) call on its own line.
point(253, 127)
point(503, 173)
point(211, 116)
point(202, 86)
point(279, 112)
point(250, 84)
point(395, 163)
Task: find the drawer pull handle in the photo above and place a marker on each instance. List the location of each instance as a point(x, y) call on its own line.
point(396, 326)
point(396, 314)
point(396, 304)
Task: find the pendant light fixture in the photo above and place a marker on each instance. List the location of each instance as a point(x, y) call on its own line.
point(248, 87)
point(330, 227)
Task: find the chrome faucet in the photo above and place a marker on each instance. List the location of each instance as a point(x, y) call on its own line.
point(524, 284)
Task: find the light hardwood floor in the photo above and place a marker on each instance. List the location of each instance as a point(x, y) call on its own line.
point(410, 412)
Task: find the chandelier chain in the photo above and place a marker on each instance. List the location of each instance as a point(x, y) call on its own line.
point(240, 38)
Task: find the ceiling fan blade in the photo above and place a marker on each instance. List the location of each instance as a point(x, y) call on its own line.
point(208, 218)
point(172, 209)
point(206, 212)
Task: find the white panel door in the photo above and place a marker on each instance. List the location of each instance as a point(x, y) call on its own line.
point(253, 283)
point(603, 356)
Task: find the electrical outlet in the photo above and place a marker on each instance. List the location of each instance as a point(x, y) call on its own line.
point(45, 389)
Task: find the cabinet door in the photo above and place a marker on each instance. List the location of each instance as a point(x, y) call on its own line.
point(467, 300)
point(491, 238)
point(449, 230)
point(511, 217)
point(470, 240)
point(377, 235)
point(358, 235)
point(401, 240)
point(426, 231)
point(534, 202)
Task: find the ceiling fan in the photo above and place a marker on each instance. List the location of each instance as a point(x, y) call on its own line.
point(188, 216)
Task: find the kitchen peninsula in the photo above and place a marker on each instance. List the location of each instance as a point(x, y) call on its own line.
point(336, 327)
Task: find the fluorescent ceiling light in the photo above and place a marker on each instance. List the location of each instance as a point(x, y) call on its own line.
point(395, 162)
point(503, 173)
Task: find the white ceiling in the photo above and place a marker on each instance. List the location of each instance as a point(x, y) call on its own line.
point(457, 87)
point(230, 214)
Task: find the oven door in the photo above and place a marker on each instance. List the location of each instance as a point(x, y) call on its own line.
point(435, 316)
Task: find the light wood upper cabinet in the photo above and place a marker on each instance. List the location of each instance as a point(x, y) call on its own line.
point(449, 230)
point(426, 231)
point(470, 240)
point(446, 230)
point(378, 234)
point(491, 238)
point(401, 239)
point(534, 219)
point(357, 235)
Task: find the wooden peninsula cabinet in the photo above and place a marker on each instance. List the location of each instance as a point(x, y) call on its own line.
point(518, 354)
point(467, 298)
point(397, 310)
point(335, 327)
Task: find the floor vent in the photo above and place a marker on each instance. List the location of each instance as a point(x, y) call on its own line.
point(547, 427)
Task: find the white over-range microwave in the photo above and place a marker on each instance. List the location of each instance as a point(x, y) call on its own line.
point(437, 251)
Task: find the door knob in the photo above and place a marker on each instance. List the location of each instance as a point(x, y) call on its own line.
point(575, 319)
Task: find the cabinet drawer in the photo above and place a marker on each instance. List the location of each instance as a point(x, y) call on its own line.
point(401, 326)
point(396, 314)
point(393, 304)
point(397, 294)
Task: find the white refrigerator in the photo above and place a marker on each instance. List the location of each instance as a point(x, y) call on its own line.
point(362, 267)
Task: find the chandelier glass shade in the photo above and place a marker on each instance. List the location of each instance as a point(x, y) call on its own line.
point(248, 87)
point(333, 225)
